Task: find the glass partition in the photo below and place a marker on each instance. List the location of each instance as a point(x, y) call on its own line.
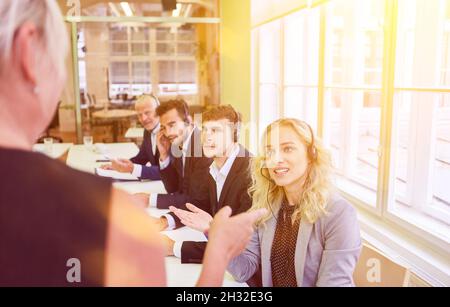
point(121, 50)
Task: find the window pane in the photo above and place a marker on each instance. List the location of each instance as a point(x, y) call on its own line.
point(269, 48)
point(301, 39)
point(441, 167)
point(140, 34)
point(119, 48)
point(163, 34)
point(355, 39)
point(268, 104)
point(165, 49)
point(119, 78)
point(186, 35)
point(141, 72)
point(140, 49)
point(119, 72)
point(352, 131)
point(186, 72)
point(421, 153)
point(441, 193)
point(301, 103)
point(186, 49)
point(166, 72)
point(118, 33)
point(178, 77)
point(423, 45)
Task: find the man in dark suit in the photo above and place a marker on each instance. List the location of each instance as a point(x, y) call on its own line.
point(228, 180)
point(145, 107)
point(183, 166)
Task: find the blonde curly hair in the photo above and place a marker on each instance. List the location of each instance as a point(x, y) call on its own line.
point(317, 185)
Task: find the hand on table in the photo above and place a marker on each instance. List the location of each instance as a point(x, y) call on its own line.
point(119, 165)
point(107, 167)
point(122, 165)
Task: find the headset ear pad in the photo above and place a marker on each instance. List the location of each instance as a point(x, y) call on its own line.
point(237, 126)
point(186, 114)
point(158, 103)
point(236, 132)
point(312, 152)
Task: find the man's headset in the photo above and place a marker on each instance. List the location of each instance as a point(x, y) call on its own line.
point(237, 124)
point(153, 96)
point(312, 150)
point(182, 109)
point(185, 113)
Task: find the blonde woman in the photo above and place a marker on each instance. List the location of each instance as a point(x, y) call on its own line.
point(310, 236)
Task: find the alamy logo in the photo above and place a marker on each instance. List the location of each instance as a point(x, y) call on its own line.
point(374, 272)
point(74, 273)
point(75, 8)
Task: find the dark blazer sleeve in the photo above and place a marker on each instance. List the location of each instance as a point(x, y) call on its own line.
point(244, 203)
point(170, 179)
point(142, 156)
point(177, 199)
point(195, 190)
point(192, 252)
point(151, 172)
point(202, 203)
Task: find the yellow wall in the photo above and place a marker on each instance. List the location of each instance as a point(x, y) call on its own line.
point(235, 47)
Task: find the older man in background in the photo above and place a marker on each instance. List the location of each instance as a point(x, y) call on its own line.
point(148, 154)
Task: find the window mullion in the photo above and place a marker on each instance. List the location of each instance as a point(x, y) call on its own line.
point(385, 182)
point(321, 81)
point(281, 80)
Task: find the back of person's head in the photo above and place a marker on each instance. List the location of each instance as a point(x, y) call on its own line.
point(45, 15)
point(33, 48)
point(179, 105)
point(219, 112)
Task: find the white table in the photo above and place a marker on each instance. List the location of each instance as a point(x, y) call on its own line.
point(178, 274)
point(58, 149)
point(141, 187)
point(135, 133)
point(84, 159)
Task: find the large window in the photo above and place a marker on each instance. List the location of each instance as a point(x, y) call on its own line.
point(287, 70)
point(421, 119)
point(385, 116)
point(353, 76)
point(269, 73)
point(301, 58)
point(149, 59)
